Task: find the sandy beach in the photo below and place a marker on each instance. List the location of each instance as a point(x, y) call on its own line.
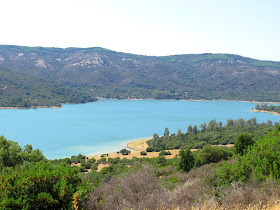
point(254, 110)
point(32, 107)
point(140, 145)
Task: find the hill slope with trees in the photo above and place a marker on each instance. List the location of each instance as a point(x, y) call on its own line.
point(113, 74)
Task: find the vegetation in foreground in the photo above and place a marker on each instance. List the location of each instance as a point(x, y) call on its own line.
point(239, 177)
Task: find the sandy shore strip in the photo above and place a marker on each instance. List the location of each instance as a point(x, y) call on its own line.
point(254, 110)
point(141, 145)
point(138, 144)
point(32, 107)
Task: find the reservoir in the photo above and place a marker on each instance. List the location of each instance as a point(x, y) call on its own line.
point(107, 125)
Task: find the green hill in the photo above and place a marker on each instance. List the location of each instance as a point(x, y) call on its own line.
point(120, 75)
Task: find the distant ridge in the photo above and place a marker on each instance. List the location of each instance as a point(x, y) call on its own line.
point(111, 74)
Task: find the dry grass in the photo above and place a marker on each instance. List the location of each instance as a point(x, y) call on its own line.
point(141, 190)
point(141, 145)
point(138, 145)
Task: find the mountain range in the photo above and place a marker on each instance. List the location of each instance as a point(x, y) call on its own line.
point(77, 75)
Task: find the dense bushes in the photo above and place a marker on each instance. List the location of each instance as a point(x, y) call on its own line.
point(262, 161)
point(42, 186)
point(213, 133)
point(11, 154)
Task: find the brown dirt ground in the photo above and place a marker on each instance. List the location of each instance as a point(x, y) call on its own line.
point(137, 146)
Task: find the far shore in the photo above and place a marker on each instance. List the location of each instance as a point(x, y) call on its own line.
point(254, 110)
point(32, 107)
point(141, 99)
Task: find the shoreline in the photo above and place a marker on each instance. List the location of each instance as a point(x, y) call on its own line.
point(275, 113)
point(141, 99)
point(32, 107)
point(138, 144)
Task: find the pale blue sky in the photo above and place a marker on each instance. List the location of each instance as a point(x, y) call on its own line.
point(150, 27)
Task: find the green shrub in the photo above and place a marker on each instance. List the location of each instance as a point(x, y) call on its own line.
point(42, 186)
point(162, 153)
point(92, 160)
point(80, 156)
point(186, 162)
point(161, 160)
point(210, 154)
point(243, 142)
point(102, 160)
point(83, 169)
point(261, 161)
point(94, 167)
point(150, 149)
point(87, 165)
point(143, 153)
point(124, 151)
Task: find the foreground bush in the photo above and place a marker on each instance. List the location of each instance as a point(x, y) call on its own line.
point(262, 161)
point(42, 186)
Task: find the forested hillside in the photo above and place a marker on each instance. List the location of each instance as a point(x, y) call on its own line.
point(19, 90)
point(113, 74)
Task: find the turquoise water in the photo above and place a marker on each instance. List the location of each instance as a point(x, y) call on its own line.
point(107, 125)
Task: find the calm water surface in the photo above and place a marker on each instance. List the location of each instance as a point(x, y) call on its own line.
point(106, 125)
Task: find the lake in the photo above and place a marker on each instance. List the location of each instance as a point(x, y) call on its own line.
point(107, 125)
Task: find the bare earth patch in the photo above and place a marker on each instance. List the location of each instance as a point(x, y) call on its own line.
point(141, 145)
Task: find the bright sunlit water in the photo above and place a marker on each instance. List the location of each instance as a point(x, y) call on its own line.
point(107, 125)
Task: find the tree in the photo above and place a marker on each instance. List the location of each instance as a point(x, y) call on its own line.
point(186, 162)
point(179, 134)
point(243, 141)
point(269, 123)
point(240, 122)
point(9, 153)
point(203, 127)
point(190, 129)
point(166, 132)
point(254, 121)
point(212, 125)
point(155, 136)
point(230, 122)
point(195, 129)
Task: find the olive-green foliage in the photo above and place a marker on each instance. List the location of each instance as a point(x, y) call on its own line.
point(210, 154)
point(24, 91)
point(162, 153)
point(91, 160)
point(186, 160)
point(243, 142)
point(124, 151)
point(12, 154)
point(42, 186)
point(265, 107)
point(150, 149)
point(261, 161)
point(211, 133)
point(143, 153)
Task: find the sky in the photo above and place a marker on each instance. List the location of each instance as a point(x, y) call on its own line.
point(249, 28)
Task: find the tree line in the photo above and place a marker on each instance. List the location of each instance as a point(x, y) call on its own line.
point(269, 108)
point(212, 133)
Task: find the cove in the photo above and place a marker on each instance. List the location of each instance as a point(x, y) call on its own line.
point(107, 125)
